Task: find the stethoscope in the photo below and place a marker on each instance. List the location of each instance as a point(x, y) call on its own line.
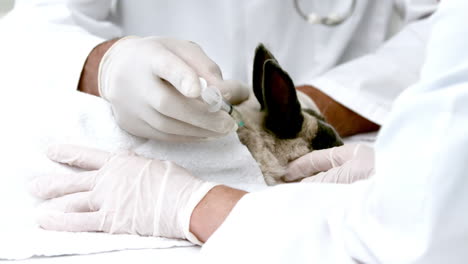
point(329, 20)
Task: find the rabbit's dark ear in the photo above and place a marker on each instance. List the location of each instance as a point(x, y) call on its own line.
point(283, 110)
point(261, 56)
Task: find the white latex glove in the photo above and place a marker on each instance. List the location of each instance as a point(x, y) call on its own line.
point(344, 164)
point(152, 84)
point(120, 193)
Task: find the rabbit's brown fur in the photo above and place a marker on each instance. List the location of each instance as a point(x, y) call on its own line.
point(277, 131)
point(271, 153)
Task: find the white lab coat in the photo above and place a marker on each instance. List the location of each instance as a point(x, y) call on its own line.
point(414, 210)
point(354, 63)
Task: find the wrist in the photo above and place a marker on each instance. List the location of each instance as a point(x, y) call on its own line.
point(89, 76)
point(212, 210)
point(110, 57)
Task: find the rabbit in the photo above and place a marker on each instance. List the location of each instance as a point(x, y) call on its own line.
point(276, 129)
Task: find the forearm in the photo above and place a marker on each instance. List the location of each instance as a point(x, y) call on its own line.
point(89, 76)
point(212, 210)
point(345, 121)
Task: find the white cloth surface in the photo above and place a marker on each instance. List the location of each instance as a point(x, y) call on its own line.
point(177, 255)
point(77, 118)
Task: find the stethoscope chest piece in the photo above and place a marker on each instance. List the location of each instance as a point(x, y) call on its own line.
point(329, 20)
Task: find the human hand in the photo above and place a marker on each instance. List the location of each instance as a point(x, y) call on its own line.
point(152, 84)
point(344, 164)
point(119, 193)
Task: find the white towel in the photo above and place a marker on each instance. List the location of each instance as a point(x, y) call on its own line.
point(33, 122)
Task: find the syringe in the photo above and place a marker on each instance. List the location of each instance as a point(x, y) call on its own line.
point(212, 96)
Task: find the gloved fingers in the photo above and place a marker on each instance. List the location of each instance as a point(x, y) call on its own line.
point(365, 153)
point(145, 130)
point(311, 164)
point(78, 156)
point(173, 126)
point(334, 175)
point(141, 128)
point(236, 92)
point(171, 68)
point(351, 171)
point(72, 203)
point(192, 111)
point(72, 222)
point(323, 160)
point(347, 152)
point(56, 185)
point(206, 68)
point(196, 58)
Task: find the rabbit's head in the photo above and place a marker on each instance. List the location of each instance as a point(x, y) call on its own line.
point(277, 129)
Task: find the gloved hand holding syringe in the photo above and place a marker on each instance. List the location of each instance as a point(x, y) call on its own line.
point(156, 100)
point(212, 96)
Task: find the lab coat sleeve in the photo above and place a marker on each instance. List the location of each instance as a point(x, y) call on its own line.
point(368, 85)
point(48, 41)
point(415, 208)
point(283, 224)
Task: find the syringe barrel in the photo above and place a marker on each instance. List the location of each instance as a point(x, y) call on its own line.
point(212, 96)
